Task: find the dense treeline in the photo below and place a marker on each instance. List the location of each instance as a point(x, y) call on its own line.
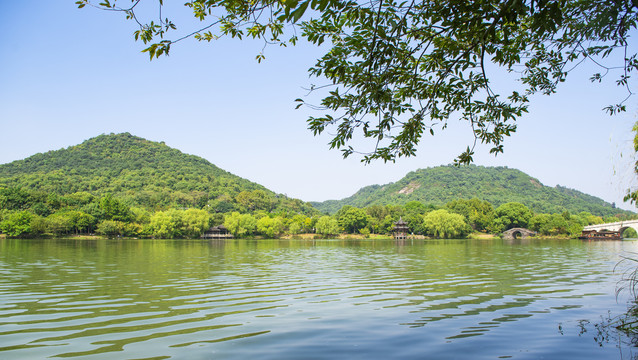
point(458, 218)
point(26, 213)
point(497, 185)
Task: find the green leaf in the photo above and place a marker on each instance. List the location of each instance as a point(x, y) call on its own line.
point(298, 13)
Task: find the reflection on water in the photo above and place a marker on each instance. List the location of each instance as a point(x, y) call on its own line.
point(155, 299)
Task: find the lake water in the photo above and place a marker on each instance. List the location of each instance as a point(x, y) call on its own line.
point(324, 299)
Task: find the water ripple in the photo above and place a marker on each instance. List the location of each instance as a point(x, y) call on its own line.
point(156, 299)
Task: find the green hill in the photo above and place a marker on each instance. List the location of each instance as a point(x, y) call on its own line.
point(154, 176)
point(141, 173)
point(497, 185)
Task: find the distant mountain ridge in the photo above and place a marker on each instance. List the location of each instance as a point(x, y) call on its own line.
point(153, 175)
point(142, 172)
point(497, 185)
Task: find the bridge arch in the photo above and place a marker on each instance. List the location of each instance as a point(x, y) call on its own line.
point(615, 226)
point(623, 229)
point(517, 233)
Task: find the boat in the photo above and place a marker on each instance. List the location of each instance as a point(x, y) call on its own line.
point(600, 235)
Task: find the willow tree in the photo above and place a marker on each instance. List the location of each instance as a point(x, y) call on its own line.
point(443, 224)
point(396, 70)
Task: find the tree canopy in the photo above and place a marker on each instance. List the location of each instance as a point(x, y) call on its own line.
point(394, 71)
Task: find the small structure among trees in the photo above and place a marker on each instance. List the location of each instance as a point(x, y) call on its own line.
point(400, 229)
point(217, 232)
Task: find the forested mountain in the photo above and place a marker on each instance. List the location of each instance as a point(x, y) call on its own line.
point(123, 185)
point(497, 185)
point(141, 173)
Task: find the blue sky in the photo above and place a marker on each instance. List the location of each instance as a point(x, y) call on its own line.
point(68, 75)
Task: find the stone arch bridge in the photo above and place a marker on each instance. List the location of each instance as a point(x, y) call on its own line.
point(517, 233)
point(619, 226)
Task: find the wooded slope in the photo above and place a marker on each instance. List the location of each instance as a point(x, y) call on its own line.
point(497, 185)
point(142, 173)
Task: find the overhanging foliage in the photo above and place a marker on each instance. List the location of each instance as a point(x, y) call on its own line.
point(395, 71)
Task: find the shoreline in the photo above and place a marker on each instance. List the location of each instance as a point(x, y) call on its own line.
point(305, 237)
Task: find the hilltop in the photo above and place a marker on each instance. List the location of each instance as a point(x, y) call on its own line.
point(497, 185)
point(142, 173)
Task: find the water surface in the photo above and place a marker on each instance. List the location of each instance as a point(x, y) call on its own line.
point(447, 299)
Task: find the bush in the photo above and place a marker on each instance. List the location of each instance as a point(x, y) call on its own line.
point(108, 228)
point(17, 223)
